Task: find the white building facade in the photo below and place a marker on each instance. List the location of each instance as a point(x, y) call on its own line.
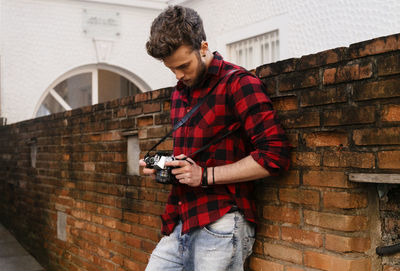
point(57, 55)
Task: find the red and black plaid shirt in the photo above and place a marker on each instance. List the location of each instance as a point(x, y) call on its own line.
point(239, 100)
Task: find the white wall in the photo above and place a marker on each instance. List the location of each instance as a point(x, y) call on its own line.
point(41, 40)
point(309, 26)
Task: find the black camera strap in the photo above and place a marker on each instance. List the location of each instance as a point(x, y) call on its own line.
point(190, 113)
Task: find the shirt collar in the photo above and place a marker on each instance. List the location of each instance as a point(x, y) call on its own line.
point(213, 69)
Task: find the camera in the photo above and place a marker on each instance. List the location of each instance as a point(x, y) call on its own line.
point(163, 173)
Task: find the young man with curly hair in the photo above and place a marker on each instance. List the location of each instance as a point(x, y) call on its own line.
point(209, 220)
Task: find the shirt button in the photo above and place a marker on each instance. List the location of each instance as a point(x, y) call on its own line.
point(180, 203)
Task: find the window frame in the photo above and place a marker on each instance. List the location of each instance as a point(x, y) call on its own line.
point(93, 69)
point(276, 23)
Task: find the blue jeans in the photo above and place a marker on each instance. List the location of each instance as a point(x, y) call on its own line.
point(222, 245)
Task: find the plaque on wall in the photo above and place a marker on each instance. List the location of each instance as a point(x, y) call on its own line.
point(104, 24)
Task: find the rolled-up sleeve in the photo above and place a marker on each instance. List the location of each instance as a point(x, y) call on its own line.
point(254, 109)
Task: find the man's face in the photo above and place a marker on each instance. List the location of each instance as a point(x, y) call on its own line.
point(187, 65)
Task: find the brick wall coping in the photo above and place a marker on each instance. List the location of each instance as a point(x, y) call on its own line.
point(374, 178)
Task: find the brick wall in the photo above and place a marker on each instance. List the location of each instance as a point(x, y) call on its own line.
point(340, 109)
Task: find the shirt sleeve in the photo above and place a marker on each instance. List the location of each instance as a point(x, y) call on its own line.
point(254, 109)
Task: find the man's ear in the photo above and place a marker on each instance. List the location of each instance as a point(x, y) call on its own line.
point(203, 48)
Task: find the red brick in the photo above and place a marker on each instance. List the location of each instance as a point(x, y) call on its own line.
point(329, 76)
point(329, 95)
point(382, 136)
point(373, 47)
point(134, 111)
point(285, 103)
point(347, 244)
point(139, 256)
point(293, 139)
point(145, 121)
point(257, 264)
point(300, 119)
point(388, 65)
point(150, 220)
point(350, 115)
point(283, 253)
point(291, 268)
point(345, 200)
point(391, 113)
point(335, 262)
point(366, 71)
point(304, 237)
point(311, 159)
point(268, 194)
point(389, 159)
point(391, 268)
point(326, 179)
point(271, 231)
point(133, 266)
point(151, 107)
point(347, 73)
point(288, 65)
point(258, 247)
point(288, 178)
point(111, 136)
point(325, 139)
point(282, 214)
point(335, 221)
point(299, 196)
point(298, 80)
point(377, 90)
point(348, 159)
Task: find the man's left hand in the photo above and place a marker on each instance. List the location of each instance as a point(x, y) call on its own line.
point(186, 170)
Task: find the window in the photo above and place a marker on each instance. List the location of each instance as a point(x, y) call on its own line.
point(255, 51)
point(87, 86)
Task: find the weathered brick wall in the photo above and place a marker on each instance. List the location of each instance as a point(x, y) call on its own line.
point(341, 110)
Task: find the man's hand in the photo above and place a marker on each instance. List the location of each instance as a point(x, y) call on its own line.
point(186, 171)
point(147, 171)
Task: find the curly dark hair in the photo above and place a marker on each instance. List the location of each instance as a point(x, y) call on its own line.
point(174, 27)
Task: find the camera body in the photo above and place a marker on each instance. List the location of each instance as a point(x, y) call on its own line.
point(163, 173)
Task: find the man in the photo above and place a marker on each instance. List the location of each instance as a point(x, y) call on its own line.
point(210, 215)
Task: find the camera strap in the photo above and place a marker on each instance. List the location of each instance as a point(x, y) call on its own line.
point(190, 113)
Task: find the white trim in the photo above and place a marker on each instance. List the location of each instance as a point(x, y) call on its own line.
point(95, 86)
point(178, 2)
point(275, 23)
point(151, 4)
point(59, 99)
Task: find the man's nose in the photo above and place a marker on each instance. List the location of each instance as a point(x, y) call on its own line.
point(179, 75)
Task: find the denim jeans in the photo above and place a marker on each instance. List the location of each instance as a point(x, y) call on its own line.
point(222, 245)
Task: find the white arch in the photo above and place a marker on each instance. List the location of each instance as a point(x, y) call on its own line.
point(93, 68)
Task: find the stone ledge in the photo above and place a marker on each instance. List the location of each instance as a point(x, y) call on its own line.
point(374, 178)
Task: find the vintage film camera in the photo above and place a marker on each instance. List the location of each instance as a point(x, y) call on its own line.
point(163, 173)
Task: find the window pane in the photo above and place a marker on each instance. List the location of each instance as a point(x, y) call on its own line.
point(256, 50)
point(49, 106)
point(114, 86)
point(76, 90)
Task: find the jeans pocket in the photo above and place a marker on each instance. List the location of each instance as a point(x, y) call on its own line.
point(223, 227)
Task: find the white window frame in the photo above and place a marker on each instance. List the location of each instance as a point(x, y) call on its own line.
point(279, 23)
point(93, 69)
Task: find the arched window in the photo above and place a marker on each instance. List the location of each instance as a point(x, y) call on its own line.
point(87, 86)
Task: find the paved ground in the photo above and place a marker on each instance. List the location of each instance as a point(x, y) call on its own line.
point(13, 257)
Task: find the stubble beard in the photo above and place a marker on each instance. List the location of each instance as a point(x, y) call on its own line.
point(201, 72)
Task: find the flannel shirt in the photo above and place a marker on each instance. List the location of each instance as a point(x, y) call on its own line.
point(238, 102)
